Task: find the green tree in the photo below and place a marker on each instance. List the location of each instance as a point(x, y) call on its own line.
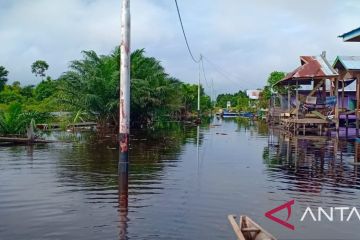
point(92, 86)
point(274, 78)
point(39, 68)
point(189, 97)
point(271, 88)
point(14, 120)
point(3, 77)
point(27, 91)
point(45, 89)
point(239, 100)
point(10, 94)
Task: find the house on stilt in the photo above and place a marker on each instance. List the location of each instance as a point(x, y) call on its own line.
point(318, 110)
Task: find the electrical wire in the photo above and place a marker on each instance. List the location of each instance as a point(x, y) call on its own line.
point(200, 60)
point(220, 70)
point(203, 70)
point(183, 30)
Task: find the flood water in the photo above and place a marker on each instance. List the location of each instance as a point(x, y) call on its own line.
point(183, 182)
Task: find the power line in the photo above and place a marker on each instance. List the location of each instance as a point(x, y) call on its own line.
point(183, 30)
point(221, 71)
point(212, 90)
point(203, 70)
point(200, 60)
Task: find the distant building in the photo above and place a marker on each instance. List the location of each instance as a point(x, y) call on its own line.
point(228, 104)
point(253, 94)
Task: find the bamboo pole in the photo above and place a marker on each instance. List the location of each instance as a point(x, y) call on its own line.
point(124, 113)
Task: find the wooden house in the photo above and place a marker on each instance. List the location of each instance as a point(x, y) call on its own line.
point(319, 108)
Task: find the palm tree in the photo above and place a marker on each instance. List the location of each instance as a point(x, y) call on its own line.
point(3, 77)
point(15, 120)
point(92, 86)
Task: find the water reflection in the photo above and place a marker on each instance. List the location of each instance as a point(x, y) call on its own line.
point(357, 152)
point(312, 164)
point(123, 201)
point(181, 183)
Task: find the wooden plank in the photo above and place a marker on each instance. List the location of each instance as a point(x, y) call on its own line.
point(318, 114)
point(250, 229)
point(266, 234)
point(236, 227)
point(306, 121)
point(316, 88)
point(348, 112)
point(57, 125)
point(23, 140)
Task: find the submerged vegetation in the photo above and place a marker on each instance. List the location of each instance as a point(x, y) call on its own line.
point(90, 90)
point(15, 120)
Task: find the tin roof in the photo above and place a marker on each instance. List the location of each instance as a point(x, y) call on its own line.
point(348, 62)
point(349, 86)
point(312, 67)
point(352, 36)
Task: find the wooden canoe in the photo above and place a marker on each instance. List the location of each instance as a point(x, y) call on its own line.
point(247, 229)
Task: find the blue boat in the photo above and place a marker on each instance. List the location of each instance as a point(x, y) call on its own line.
point(225, 113)
point(247, 114)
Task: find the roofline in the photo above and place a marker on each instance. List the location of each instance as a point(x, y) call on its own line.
point(338, 58)
point(328, 64)
point(286, 81)
point(349, 35)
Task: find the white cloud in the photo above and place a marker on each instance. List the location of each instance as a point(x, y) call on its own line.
point(248, 39)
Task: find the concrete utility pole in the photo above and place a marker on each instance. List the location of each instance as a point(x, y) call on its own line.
point(124, 113)
point(198, 107)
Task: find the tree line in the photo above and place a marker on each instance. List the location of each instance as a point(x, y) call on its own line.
point(240, 101)
point(89, 90)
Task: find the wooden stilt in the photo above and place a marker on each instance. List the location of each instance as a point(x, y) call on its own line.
point(357, 104)
point(337, 104)
point(294, 128)
point(297, 100)
point(347, 124)
point(289, 98)
point(343, 95)
point(320, 126)
point(304, 129)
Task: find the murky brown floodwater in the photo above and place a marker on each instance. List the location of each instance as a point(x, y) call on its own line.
point(176, 190)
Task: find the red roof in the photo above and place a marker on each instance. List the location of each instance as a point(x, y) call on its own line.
point(311, 68)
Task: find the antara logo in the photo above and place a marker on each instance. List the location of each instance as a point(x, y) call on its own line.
point(287, 206)
point(332, 214)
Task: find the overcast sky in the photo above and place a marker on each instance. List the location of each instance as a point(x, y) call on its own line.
point(245, 39)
